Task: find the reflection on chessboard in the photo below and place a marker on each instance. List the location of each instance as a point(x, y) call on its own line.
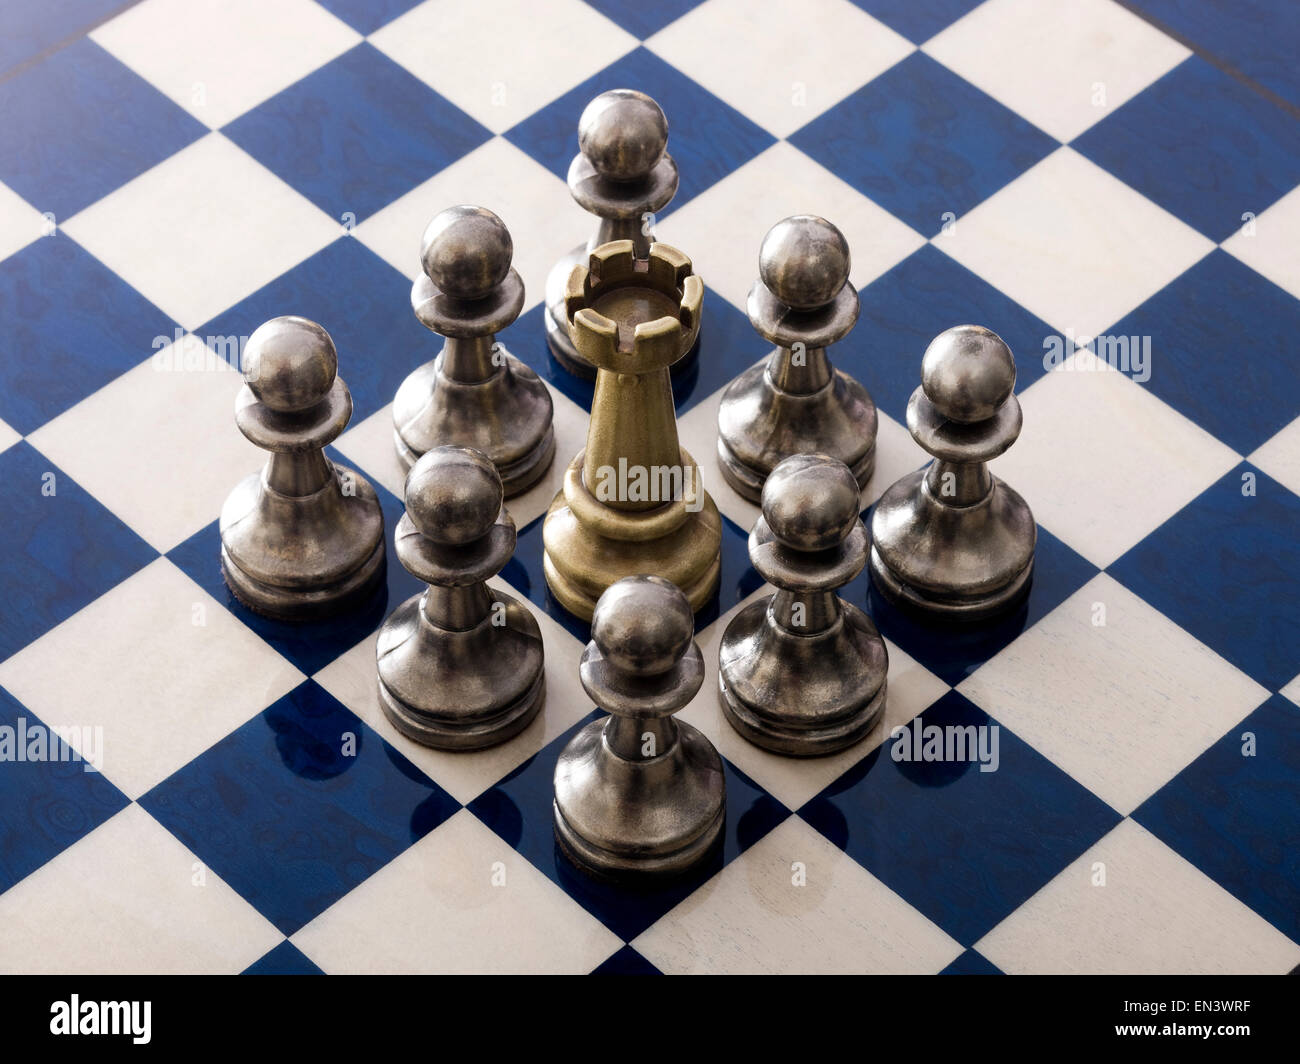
point(1071, 175)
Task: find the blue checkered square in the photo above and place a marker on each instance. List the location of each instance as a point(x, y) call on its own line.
point(311, 645)
point(30, 28)
point(918, 20)
point(45, 805)
point(963, 846)
point(79, 124)
point(71, 325)
point(366, 16)
point(362, 302)
point(63, 549)
point(285, 959)
point(1201, 145)
point(1224, 568)
point(1259, 38)
point(1234, 812)
point(923, 143)
point(907, 307)
point(1251, 391)
point(356, 134)
point(641, 19)
point(298, 806)
point(954, 650)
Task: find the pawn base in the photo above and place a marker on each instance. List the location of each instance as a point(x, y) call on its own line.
point(759, 426)
point(747, 480)
point(956, 562)
point(302, 558)
point(304, 604)
point(442, 735)
point(562, 349)
point(660, 817)
point(461, 690)
point(802, 695)
point(507, 417)
point(953, 608)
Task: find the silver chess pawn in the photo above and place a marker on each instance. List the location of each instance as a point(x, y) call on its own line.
point(795, 401)
point(638, 792)
point(952, 539)
point(460, 666)
point(802, 672)
point(621, 174)
point(475, 393)
point(303, 539)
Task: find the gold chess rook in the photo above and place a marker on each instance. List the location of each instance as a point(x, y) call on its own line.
point(632, 501)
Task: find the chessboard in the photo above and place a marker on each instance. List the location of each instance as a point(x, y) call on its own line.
point(1114, 188)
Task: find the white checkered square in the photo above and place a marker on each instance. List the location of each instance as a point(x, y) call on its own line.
point(370, 446)
point(161, 667)
point(20, 222)
point(723, 227)
point(8, 437)
point(1279, 457)
point(795, 781)
point(1130, 905)
point(220, 58)
point(780, 64)
point(793, 903)
point(1073, 244)
point(1267, 244)
point(351, 679)
point(459, 901)
point(501, 60)
point(1063, 65)
point(201, 230)
point(1102, 461)
point(1113, 692)
point(165, 452)
point(129, 899)
point(535, 205)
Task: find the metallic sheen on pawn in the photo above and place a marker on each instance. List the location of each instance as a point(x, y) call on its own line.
point(802, 672)
point(460, 666)
point(638, 792)
point(795, 401)
point(621, 174)
point(952, 539)
point(475, 393)
point(303, 539)
point(632, 501)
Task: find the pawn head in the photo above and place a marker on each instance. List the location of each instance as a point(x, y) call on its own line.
point(810, 502)
point(804, 261)
point(466, 251)
point(643, 625)
point(453, 495)
point(290, 364)
point(623, 134)
point(967, 372)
